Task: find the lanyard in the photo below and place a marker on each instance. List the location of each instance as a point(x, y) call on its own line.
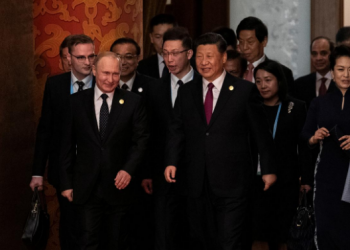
point(276, 120)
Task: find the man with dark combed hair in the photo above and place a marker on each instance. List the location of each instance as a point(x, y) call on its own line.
point(229, 36)
point(252, 35)
point(49, 133)
point(343, 36)
point(66, 66)
point(209, 145)
point(154, 65)
point(170, 200)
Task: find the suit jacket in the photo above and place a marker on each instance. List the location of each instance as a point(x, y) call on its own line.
point(49, 131)
point(292, 154)
point(161, 113)
point(306, 91)
point(141, 84)
point(306, 88)
point(219, 151)
point(149, 66)
point(98, 161)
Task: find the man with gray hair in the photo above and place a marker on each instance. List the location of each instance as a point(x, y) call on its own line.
point(107, 128)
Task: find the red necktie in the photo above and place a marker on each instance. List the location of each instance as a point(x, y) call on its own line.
point(208, 103)
point(248, 75)
point(323, 89)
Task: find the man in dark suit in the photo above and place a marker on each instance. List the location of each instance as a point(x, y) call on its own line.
point(154, 65)
point(107, 128)
point(252, 35)
point(170, 200)
point(213, 143)
point(49, 133)
point(131, 80)
point(312, 85)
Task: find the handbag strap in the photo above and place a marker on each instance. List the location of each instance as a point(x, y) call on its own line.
point(40, 197)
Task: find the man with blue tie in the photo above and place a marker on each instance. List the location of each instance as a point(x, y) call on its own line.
point(49, 133)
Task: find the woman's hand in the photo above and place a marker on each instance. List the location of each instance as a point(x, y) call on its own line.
point(319, 135)
point(345, 145)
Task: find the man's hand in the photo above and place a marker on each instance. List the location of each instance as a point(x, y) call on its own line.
point(68, 194)
point(147, 185)
point(269, 179)
point(37, 182)
point(122, 179)
point(169, 174)
point(307, 188)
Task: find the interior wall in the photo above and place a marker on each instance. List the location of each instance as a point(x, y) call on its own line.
point(17, 122)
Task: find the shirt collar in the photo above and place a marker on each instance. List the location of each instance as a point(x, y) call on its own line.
point(87, 80)
point(98, 94)
point(130, 82)
point(188, 77)
point(160, 59)
point(319, 76)
point(256, 63)
point(217, 82)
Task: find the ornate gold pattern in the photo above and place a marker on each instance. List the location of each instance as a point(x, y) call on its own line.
point(53, 19)
point(59, 8)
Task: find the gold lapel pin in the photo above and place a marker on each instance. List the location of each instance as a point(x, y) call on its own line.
point(140, 90)
point(121, 101)
point(231, 88)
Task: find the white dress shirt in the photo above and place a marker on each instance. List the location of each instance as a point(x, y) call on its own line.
point(319, 81)
point(87, 83)
point(129, 83)
point(256, 63)
point(161, 64)
point(216, 89)
point(175, 87)
point(98, 103)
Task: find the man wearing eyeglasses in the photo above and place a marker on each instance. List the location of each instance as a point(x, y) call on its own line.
point(169, 199)
point(49, 132)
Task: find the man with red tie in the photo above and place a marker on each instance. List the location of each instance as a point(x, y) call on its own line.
point(252, 35)
point(210, 135)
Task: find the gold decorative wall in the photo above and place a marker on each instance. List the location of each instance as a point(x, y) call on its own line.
point(103, 20)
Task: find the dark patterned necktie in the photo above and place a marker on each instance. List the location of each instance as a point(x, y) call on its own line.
point(125, 87)
point(103, 115)
point(323, 89)
point(180, 83)
point(208, 103)
point(81, 85)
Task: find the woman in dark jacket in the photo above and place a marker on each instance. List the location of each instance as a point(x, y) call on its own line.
point(284, 116)
point(327, 121)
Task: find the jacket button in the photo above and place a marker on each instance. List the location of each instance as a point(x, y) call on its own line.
point(206, 134)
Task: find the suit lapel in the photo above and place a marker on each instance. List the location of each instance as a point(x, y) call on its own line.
point(224, 95)
point(137, 84)
point(197, 92)
point(90, 102)
point(115, 111)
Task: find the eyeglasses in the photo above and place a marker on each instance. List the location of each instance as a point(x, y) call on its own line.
point(127, 57)
point(83, 58)
point(173, 53)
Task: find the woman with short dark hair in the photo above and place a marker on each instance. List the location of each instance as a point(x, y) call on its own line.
point(273, 209)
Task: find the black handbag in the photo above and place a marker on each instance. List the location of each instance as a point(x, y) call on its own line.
point(302, 231)
point(37, 227)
